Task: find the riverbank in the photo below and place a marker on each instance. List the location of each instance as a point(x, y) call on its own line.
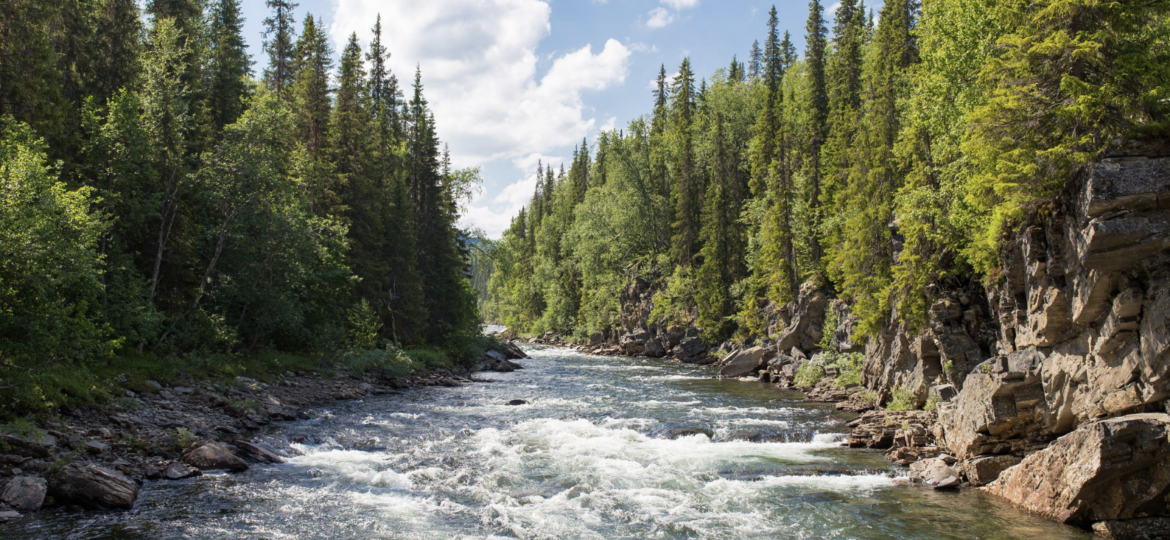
point(97, 457)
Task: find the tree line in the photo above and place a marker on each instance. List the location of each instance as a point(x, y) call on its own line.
point(161, 194)
point(886, 162)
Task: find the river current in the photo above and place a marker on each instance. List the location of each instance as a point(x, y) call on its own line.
point(595, 453)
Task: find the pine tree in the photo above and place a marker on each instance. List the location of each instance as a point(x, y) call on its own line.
point(844, 86)
point(817, 109)
point(385, 96)
point(862, 263)
point(686, 188)
point(279, 43)
point(115, 47)
point(229, 64)
point(311, 90)
point(755, 65)
point(720, 256)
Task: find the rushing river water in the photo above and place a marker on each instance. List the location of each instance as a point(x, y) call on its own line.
point(589, 456)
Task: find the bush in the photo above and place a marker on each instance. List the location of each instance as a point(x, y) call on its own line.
point(809, 374)
point(849, 368)
point(902, 399)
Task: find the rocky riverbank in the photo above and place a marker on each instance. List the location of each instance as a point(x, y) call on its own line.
point(98, 458)
point(1047, 386)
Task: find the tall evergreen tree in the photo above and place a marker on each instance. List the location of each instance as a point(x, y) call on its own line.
point(280, 44)
point(686, 188)
point(385, 95)
point(229, 64)
point(755, 61)
point(817, 109)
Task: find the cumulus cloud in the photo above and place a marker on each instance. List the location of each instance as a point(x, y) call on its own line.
point(479, 67)
point(681, 4)
point(659, 17)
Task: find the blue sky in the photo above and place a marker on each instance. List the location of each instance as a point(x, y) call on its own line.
point(516, 81)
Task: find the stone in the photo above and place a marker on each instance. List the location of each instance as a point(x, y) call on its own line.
point(745, 363)
point(25, 493)
point(515, 402)
point(1134, 529)
point(950, 482)
point(691, 431)
point(214, 456)
point(984, 470)
point(179, 471)
point(655, 349)
point(96, 447)
point(8, 515)
point(690, 348)
point(259, 453)
point(1106, 470)
point(931, 471)
point(94, 487)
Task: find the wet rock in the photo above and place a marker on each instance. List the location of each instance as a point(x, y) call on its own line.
point(692, 350)
point(1106, 470)
point(258, 453)
point(517, 402)
point(879, 429)
point(179, 471)
point(8, 515)
point(745, 362)
point(655, 349)
point(214, 456)
point(25, 493)
point(984, 470)
point(931, 472)
point(690, 431)
point(1134, 529)
point(94, 487)
point(950, 482)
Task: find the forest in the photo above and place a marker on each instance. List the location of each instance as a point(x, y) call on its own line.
point(167, 201)
point(888, 160)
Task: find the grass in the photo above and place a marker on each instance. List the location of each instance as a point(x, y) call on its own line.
point(60, 386)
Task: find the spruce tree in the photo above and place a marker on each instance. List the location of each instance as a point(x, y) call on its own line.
point(755, 61)
point(686, 194)
point(817, 110)
point(385, 95)
point(229, 64)
point(280, 44)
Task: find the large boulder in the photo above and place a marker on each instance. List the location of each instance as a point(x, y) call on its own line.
point(1106, 470)
point(25, 493)
point(655, 349)
point(692, 350)
point(94, 487)
point(214, 456)
point(745, 362)
point(984, 470)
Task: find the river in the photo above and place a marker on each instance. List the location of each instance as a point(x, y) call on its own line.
point(590, 455)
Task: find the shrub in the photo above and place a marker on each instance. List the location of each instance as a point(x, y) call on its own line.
point(809, 374)
point(901, 399)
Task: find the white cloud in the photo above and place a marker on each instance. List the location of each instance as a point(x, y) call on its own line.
point(659, 17)
point(479, 67)
point(495, 215)
point(681, 4)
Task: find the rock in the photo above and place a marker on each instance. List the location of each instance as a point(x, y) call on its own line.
point(808, 317)
point(517, 402)
point(596, 339)
point(258, 453)
point(8, 515)
point(691, 431)
point(1106, 470)
point(984, 470)
point(883, 429)
point(950, 482)
point(26, 446)
point(931, 472)
point(745, 362)
point(93, 487)
point(1134, 529)
point(25, 493)
point(214, 456)
point(96, 447)
point(179, 471)
point(655, 349)
point(691, 349)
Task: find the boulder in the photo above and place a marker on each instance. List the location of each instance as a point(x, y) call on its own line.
point(93, 487)
point(258, 453)
point(1106, 470)
point(655, 349)
point(931, 472)
point(984, 470)
point(214, 456)
point(179, 471)
point(691, 431)
point(8, 515)
point(745, 362)
point(25, 493)
point(690, 349)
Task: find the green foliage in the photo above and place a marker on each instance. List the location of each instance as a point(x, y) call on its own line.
point(809, 374)
point(849, 366)
point(901, 399)
point(364, 325)
point(673, 304)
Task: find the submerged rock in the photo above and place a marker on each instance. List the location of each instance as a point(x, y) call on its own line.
point(94, 487)
point(517, 402)
point(258, 453)
point(690, 431)
point(214, 456)
point(1134, 529)
point(1107, 470)
point(179, 471)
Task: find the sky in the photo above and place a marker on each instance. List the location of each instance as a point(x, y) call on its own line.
point(514, 82)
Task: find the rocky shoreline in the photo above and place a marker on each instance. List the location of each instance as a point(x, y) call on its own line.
point(98, 458)
point(1047, 386)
